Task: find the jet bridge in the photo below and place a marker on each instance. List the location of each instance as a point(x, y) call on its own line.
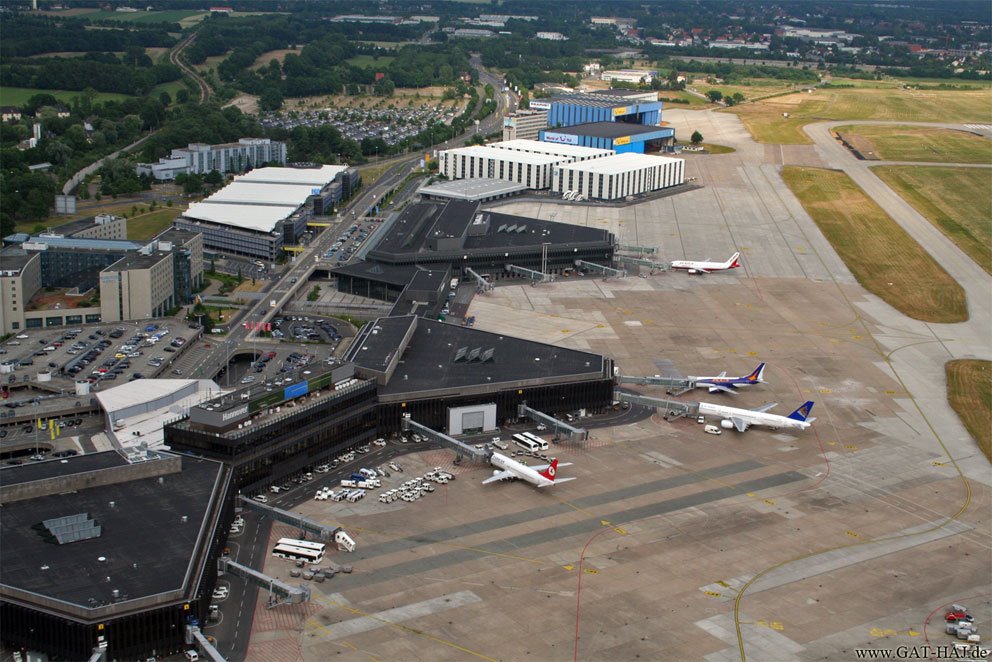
point(672, 408)
point(640, 250)
point(279, 591)
point(459, 447)
point(606, 271)
point(484, 285)
point(675, 385)
point(322, 531)
point(535, 276)
point(574, 434)
point(641, 262)
point(193, 634)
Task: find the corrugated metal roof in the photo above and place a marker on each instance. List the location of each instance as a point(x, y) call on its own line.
point(242, 192)
point(538, 147)
point(506, 155)
point(262, 218)
point(619, 163)
point(311, 176)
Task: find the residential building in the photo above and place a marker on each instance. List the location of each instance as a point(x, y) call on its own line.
point(199, 159)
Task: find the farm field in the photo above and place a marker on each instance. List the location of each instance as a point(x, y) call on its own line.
point(969, 391)
point(884, 259)
point(767, 123)
point(211, 62)
point(168, 16)
point(956, 200)
point(18, 96)
point(918, 143)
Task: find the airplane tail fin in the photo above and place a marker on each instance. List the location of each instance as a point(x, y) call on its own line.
point(733, 262)
point(758, 376)
point(551, 471)
point(802, 414)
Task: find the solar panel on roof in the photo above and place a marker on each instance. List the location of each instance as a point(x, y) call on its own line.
point(71, 528)
point(521, 228)
point(511, 228)
point(501, 228)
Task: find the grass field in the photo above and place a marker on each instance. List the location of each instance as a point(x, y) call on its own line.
point(765, 120)
point(957, 200)
point(918, 143)
point(169, 16)
point(147, 225)
point(211, 62)
point(369, 61)
point(266, 57)
point(969, 391)
point(751, 88)
point(695, 102)
point(881, 255)
point(18, 96)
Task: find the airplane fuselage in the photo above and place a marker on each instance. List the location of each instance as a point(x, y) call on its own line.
point(751, 417)
point(519, 470)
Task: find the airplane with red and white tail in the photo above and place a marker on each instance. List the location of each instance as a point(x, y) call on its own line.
point(542, 475)
point(706, 266)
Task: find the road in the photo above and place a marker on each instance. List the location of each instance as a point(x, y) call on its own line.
point(189, 71)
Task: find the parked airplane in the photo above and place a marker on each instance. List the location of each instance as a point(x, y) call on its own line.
point(706, 267)
point(729, 384)
point(742, 419)
point(542, 475)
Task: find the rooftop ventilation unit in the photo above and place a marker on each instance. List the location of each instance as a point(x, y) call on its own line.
point(72, 528)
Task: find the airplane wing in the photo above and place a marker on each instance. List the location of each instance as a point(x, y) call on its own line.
point(558, 480)
point(542, 467)
point(702, 271)
point(717, 387)
point(739, 423)
point(502, 475)
point(766, 406)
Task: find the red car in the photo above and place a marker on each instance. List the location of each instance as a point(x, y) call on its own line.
point(956, 616)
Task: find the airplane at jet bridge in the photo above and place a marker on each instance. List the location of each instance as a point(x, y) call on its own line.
point(542, 475)
point(729, 384)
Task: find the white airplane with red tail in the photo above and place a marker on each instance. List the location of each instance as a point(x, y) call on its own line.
point(706, 267)
point(542, 475)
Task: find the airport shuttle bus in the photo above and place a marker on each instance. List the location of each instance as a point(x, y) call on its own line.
point(542, 444)
point(299, 550)
point(526, 443)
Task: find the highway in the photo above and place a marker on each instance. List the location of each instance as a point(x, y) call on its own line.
point(304, 263)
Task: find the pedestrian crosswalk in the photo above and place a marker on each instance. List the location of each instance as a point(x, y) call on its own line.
point(979, 127)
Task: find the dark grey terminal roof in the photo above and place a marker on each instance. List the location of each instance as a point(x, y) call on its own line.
point(146, 546)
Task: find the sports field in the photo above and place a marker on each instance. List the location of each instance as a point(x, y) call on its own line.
point(957, 200)
point(918, 143)
point(881, 255)
point(969, 391)
point(18, 96)
point(780, 119)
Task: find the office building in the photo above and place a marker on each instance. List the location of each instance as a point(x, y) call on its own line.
point(524, 124)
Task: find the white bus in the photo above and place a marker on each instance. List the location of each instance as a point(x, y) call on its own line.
point(542, 444)
point(525, 443)
point(299, 550)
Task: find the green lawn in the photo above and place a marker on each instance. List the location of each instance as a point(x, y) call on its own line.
point(957, 200)
point(918, 143)
point(881, 255)
point(172, 88)
point(364, 61)
point(169, 16)
point(18, 96)
point(147, 225)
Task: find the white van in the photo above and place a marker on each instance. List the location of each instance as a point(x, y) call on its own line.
point(712, 429)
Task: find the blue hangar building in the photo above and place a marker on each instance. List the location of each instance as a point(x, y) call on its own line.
point(618, 136)
point(572, 109)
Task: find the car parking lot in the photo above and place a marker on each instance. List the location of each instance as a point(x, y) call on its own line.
point(97, 354)
point(391, 125)
point(351, 240)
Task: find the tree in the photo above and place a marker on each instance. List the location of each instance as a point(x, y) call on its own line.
point(182, 95)
point(696, 138)
point(715, 95)
point(165, 98)
point(214, 178)
point(271, 99)
point(738, 97)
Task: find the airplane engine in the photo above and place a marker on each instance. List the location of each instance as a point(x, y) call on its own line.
point(495, 472)
point(727, 424)
point(692, 271)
